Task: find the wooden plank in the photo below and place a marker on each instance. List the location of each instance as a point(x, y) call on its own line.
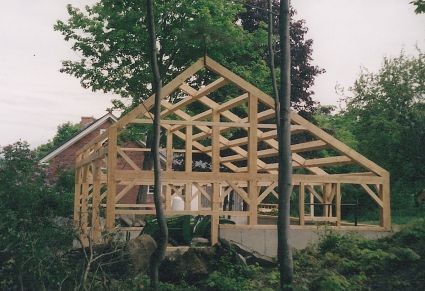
point(111, 185)
point(170, 157)
point(233, 102)
point(252, 157)
point(220, 82)
point(202, 191)
point(126, 176)
point(215, 213)
point(336, 144)
point(301, 203)
point(372, 195)
point(386, 207)
point(260, 154)
point(322, 162)
point(199, 123)
point(77, 196)
point(84, 208)
point(124, 191)
point(128, 160)
point(215, 160)
point(98, 154)
point(95, 222)
point(338, 204)
point(238, 81)
point(266, 192)
point(314, 193)
point(165, 91)
point(240, 191)
point(308, 146)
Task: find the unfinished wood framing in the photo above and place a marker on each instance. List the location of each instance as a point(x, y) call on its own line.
point(244, 167)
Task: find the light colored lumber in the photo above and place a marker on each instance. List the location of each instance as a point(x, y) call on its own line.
point(336, 144)
point(301, 203)
point(95, 217)
point(323, 162)
point(373, 195)
point(338, 204)
point(308, 146)
point(233, 102)
point(112, 186)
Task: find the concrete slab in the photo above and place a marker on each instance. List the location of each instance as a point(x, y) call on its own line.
point(263, 238)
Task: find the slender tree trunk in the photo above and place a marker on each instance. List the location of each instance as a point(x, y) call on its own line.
point(159, 253)
point(285, 155)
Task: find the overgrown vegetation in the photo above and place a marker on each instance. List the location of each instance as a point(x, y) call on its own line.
point(36, 250)
point(383, 118)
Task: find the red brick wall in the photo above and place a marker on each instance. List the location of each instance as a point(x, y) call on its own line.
point(66, 161)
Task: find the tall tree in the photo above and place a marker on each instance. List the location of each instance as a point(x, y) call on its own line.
point(303, 72)
point(110, 38)
point(64, 132)
point(159, 254)
point(285, 154)
point(420, 6)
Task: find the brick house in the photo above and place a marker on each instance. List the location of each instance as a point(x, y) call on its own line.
point(63, 157)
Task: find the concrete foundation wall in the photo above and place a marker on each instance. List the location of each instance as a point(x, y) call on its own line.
point(263, 238)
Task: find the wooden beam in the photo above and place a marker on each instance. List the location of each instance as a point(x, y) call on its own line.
point(339, 146)
point(165, 91)
point(215, 160)
point(338, 204)
point(95, 217)
point(252, 157)
point(385, 198)
point(260, 154)
point(233, 102)
point(220, 82)
point(200, 123)
point(126, 176)
point(322, 162)
point(238, 81)
point(112, 185)
point(301, 203)
point(373, 195)
point(169, 149)
point(77, 195)
point(308, 146)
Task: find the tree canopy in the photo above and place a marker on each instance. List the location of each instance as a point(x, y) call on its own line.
point(64, 132)
point(384, 119)
point(111, 38)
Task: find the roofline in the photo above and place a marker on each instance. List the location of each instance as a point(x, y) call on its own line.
point(78, 136)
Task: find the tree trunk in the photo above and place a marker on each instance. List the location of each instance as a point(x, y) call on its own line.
point(159, 253)
point(285, 155)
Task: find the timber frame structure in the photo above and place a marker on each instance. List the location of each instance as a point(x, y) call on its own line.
point(240, 165)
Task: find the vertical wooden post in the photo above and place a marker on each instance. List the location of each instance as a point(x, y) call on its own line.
point(338, 203)
point(112, 184)
point(301, 202)
point(188, 167)
point(385, 211)
point(311, 204)
point(77, 197)
point(215, 160)
point(252, 157)
point(96, 201)
point(84, 198)
point(327, 190)
point(169, 168)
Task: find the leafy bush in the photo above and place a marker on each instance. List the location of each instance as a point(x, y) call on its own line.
point(32, 244)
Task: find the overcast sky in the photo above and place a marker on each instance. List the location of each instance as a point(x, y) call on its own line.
point(35, 97)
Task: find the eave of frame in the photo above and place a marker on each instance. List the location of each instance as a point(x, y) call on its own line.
point(208, 63)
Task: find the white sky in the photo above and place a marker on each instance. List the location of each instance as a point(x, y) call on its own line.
point(35, 97)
